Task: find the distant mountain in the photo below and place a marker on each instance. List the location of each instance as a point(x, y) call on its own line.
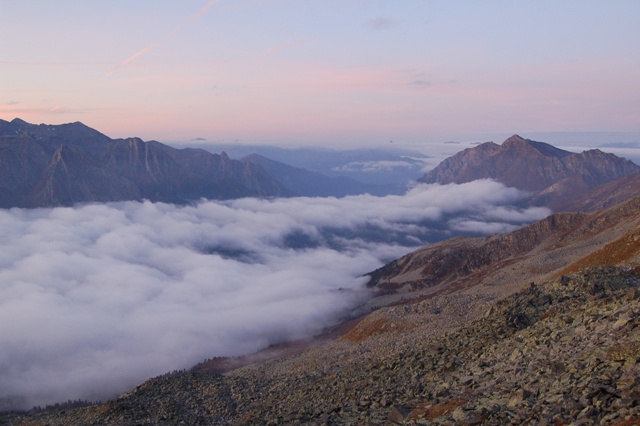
point(383, 166)
point(54, 165)
point(314, 184)
point(553, 176)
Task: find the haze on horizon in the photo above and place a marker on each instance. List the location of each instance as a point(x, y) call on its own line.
point(332, 73)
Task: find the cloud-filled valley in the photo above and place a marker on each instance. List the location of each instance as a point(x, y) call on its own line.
point(97, 298)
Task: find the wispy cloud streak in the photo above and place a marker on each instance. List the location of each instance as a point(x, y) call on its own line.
point(163, 40)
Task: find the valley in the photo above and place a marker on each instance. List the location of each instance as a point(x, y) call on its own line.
point(512, 313)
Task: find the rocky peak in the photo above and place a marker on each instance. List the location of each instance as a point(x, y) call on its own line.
point(19, 122)
point(519, 143)
point(551, 175)
point(514, 140)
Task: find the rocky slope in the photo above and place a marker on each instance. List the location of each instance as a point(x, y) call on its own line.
point(531, 327)
point(53, 165)
point(553, 176)
point(536, 251)
point(561, 352)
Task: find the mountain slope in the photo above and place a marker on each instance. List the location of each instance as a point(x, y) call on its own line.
point(536, 251)
point(606, 195)
point(51, 165)
point(554, 177)
point(553, 353)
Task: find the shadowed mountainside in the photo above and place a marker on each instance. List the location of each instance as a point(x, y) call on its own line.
point(53, 165)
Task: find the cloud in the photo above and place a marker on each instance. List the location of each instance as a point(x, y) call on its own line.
point(380, 23)
point(163, 40)
point(373, 166)
point(18, 110)
point(97, 298)
point(421, 83)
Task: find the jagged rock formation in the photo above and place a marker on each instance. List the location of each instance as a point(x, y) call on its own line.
point(553, 176)
point(47, 165)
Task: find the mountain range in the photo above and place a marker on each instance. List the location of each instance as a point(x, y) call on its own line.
point(536, 326)
point(387, 165)
point(59, 165)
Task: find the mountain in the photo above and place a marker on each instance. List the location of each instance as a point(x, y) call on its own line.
point(388, 166)
point(314, 184)
point(57, 165)
point(537, 326)
point(554, 177)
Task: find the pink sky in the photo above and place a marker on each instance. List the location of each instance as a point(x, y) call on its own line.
point(332, 73)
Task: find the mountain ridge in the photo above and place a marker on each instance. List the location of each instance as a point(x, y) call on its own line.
point(59, 165)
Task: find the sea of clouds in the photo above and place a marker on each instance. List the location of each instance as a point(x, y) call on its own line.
point(97, 298)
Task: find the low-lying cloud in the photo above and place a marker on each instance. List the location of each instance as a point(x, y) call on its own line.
point(374, 166)
point(97, 298)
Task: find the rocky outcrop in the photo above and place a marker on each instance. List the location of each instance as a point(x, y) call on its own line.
point(554, 177)
point(46, 165)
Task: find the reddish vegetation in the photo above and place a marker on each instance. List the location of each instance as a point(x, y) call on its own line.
point(635, 421)
point(431, 413)
point(614, 253)
point(372, 327)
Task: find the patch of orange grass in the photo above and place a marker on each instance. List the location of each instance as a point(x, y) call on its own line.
point(635, 421)
point(426, 412)
point(371, 327)
point(614, 253)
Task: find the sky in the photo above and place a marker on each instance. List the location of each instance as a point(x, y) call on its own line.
point(323, 73)
point(95, 299)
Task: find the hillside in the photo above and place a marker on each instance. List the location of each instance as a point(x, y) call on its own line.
point(554, 177)
point(534, 252)
point(532, 327)
point(53, 165)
